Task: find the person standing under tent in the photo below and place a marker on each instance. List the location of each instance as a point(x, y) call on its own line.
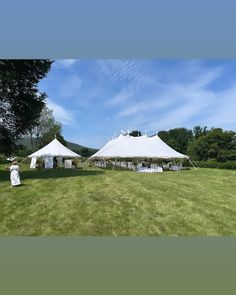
point(14, 174)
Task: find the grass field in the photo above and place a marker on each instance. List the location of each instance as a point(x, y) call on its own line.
point(119, 203)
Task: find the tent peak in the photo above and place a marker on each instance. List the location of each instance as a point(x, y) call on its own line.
point(54, 149)
point(127, 146)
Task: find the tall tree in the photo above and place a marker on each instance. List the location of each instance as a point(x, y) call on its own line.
point(46, 129)
point(21, 101)
point(177, 138)
point(85, 152)
point(199, 131)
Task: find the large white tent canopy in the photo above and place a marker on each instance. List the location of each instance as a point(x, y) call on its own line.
point(126, 146)
point(54, 149)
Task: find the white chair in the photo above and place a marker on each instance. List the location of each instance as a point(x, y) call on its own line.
point(68, 164)
point(159, 169)
point(33, 163)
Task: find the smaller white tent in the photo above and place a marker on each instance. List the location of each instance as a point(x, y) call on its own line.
point(53, 149)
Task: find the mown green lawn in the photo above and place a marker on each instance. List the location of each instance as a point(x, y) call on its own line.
point(118, 203)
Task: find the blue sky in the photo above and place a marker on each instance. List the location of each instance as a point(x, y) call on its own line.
point(96, 99)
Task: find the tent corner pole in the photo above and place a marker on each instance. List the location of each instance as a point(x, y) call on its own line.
point(192, 164)
point(23, 160)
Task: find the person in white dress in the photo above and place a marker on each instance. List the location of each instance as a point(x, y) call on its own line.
point(15, 174)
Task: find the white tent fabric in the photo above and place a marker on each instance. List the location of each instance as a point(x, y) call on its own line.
point(126, 146)
point(33, 163)
point(54, 149)
point(48, 161)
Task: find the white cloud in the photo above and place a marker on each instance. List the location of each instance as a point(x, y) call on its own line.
point(203, 79)
point(155, 103)
point(123, 95)
point(133, 73)
point(65, 63)
point(70, 86)
point(223, 113)
point(61, 114)
point(184, 102)
point(184, 112)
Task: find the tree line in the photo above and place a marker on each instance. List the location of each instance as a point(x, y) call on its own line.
point(200, 143)
point(21, 102)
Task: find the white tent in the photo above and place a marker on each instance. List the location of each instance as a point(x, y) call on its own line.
point(53, 149)
point(126, 146)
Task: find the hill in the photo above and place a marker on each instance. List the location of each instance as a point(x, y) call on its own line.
point(76, 147)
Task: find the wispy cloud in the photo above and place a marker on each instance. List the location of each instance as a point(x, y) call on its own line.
point(62, 115)
point(65, 63)
point(223, 112)
point(183, 113)
point(123, 95)
point(204, 77)
point(155, 103)
point(175, 104)
point(131, 75)
point(105, 96)
point(70, 86)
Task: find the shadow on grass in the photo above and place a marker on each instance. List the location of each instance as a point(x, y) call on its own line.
point(54, 173)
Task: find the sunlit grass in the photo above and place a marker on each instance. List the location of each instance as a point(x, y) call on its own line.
point(106, 202)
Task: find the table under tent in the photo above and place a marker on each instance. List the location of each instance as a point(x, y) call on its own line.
point(54, 154)
point(143, 154)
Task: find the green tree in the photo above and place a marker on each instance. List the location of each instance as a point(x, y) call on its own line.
point(85, 152)
point(135, 133)
point(46, 130)
point(21, 101)
point(199, 149)
point(199, 131)
point(164, 135)
point(177, 138)
point(216, 144)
